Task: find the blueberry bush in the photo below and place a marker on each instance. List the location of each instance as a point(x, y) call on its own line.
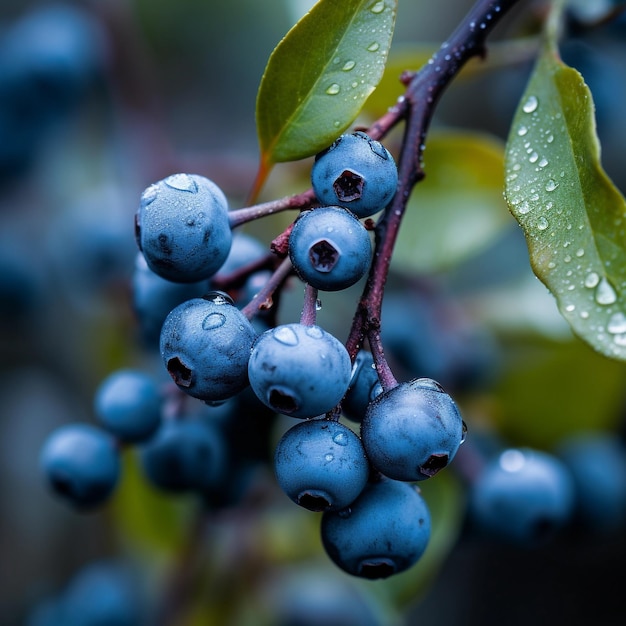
point(312, 312)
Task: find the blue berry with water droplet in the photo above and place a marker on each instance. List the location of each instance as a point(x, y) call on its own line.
point(329, 248)
point(383, 532)
point(412, 431)
point(205, 346)
point(128, 405)
point(321, 465)
point(356, 172)
point(299, 370)
point(81, 464)
point(182, 227)
point(364, 387)
point(523, 496)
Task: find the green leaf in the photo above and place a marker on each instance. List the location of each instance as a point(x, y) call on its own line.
point(458, 208)
point(573, 217)
point(320, 74)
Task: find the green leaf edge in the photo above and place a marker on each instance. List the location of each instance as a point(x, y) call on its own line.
point(597, 336)
point(312, 142)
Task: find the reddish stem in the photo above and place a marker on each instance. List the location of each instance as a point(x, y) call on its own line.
point(416, 107)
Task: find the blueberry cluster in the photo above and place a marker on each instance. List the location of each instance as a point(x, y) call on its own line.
point(195, 290)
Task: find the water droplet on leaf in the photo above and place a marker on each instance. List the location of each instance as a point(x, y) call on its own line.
point(605, 294)
point(531, 104)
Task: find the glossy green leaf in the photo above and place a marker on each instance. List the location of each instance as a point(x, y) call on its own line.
point(320, 74)
point(573, 216)
point(458, 208)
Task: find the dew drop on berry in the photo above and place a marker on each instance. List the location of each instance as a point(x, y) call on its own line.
point(149, 195)
point(182, 182)
point(213, 320)
point(218, 297)
point(341, 439)
point(428, 383)
point(286, 336)
point(315, 332)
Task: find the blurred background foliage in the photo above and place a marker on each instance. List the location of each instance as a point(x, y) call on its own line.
point(175, 90)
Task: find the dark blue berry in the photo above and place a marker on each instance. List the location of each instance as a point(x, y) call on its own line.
point(185, 455)
point(103, 593)
point(364, 387)
point(299, 370)
point(412, 431)
point(329, 248)
point(597, 463)
point(81, 464)
point(321, 465)
point(154, 297)
point(383, 532)
point(182, 227)
point(205, 345)
point(128, 405)
point(523, 496)
point(356, 172)
point(307, 594)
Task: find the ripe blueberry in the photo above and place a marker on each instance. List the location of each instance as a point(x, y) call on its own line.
point(356, 172)
point(81, 463)
point(364, 387)
point(523, 496)
point(412, 431)
point(205, 345)
point(597, 463)
point(329, 248)
point(298, 370)
point(185, 455)
point(128, 405)
point(182, 227)
point(321, 465)
point(383, 532)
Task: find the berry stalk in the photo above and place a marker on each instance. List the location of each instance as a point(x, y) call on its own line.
point(416, 107)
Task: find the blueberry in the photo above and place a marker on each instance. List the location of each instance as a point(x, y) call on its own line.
point(182, 227)
point(383, 532)
point(154, 297)
point(329, 248)
point(522, 496)
point(102, 593)
point(185, 455)
point(321, 465)
point(412, 431)
point(299, 370)
point(356, 172)
point(306, 594)
point(364, 387)
point(128, 405)
point(597, 463)
point(81, 463)
point(205, 345)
